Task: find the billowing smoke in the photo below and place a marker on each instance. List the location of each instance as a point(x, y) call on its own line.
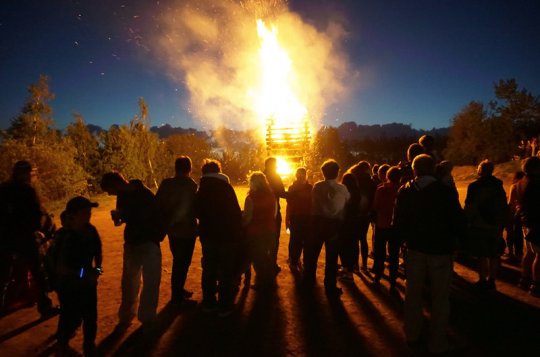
point(212, 47)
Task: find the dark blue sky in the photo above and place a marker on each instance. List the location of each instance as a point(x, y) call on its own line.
point(420, 62)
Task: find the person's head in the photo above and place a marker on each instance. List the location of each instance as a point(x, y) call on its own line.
point(375, 170)
point(444, 168)
point(22, 172)
point(270, 164)
point(381, 173)
point(393, 174)
point(77, 213)
point(427, 142)
point(485, 168)
point(363, 166)
point(301, 174)
point(423, 165)
point(258, 182)
point(330, 169)
point(531, 166)
point(210, 166)
point(112, 183)
point(182, 166)
point(413, 151)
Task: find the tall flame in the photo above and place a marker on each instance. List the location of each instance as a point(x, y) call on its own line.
point(277, 104)
point(275, 98)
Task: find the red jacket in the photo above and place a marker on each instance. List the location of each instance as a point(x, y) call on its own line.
point(383, 205)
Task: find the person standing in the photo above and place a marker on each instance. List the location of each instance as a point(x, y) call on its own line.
point(366, 193)
point(76, 259)
point(259, 221)
point(276, 184)
point(487, 211)
point(20, 220)
point(136, 207)
point(529, 209)
point(176, 204)
point(220, 229)
point(328, 209)
point(298, 217)
point(383, 206)
point(429, 218)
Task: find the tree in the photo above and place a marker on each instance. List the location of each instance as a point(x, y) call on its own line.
point(466, 137)
point(34, 123)
point(518, 106)
point(86, 149)
point(328, 145)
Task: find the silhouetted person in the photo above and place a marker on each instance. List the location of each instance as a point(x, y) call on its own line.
point(220, 229)
point(366, 188)
point(428, 144)
point(136, 207)
point(20, 215)
point(383, 206)
point(259, 221)
point(76, 258)
point(298, 217)
point(176, 203)
point(514, 229)
point(429, 218)
point(486, 210)
point(270, 171)
point(329, 199)
point(529, 209)
point(351, 223)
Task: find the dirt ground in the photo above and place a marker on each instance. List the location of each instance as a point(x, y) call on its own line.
point(366, 320)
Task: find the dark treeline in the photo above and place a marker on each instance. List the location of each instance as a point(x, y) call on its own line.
point(71, 161)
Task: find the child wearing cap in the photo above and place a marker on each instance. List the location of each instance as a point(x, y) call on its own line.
point(76, 262)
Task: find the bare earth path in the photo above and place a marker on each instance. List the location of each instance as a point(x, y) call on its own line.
point(366, 320)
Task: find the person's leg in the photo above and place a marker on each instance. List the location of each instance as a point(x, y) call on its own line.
point(535, 286)
point(363, 231)
point(295, 241)
point(226, 258)
point(131, 282)
point(312, 251)
point(393, 258)
point(379, 252)
point(151, 272)
point(518, 238)
point(440, 274)
point(416, 276)
point(176, 287)
point(275, 247)
point(185, 248)
point(483, 269)
point(332, 247)
point(526, 266)
point(69, 318)
point(89, 315)
point(209, 277)
point(31, 255)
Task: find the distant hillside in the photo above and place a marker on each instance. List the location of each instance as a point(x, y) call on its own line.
point(164, 131)
point(351, 131)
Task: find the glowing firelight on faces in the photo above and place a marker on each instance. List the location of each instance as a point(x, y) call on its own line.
point(275, 98)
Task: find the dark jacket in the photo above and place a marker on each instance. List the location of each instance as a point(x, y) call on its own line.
point(137, 207)
point(299, 199)
point(352, 208)
point(366, 189)
point(176, 203)
point(20, 216)
point(530, 209)
point(217, 209)
point(74, 254)
point(429, 219)
point(485, 204)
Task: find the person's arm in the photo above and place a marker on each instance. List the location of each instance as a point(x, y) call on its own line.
point(247, 215)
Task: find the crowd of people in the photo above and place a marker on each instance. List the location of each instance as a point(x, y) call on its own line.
point(413, 207)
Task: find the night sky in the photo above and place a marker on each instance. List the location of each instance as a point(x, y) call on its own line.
point(417, 62)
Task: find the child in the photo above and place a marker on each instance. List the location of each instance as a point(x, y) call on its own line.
point(76, 261)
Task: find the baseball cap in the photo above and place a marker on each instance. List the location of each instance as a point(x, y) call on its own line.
point(77, 203)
